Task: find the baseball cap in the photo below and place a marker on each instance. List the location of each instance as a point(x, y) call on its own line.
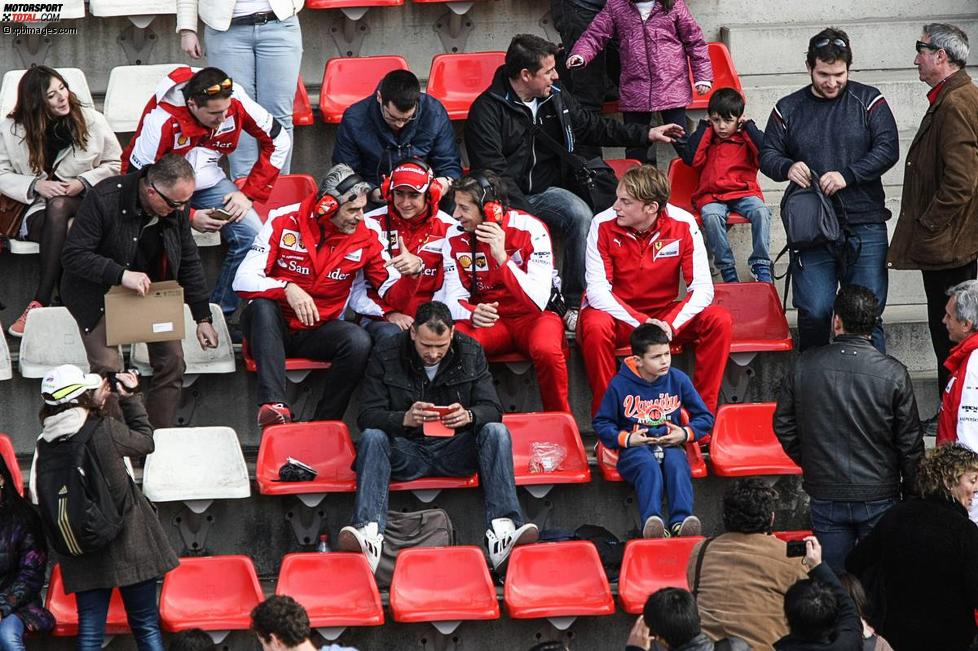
point(64, 383)
point(411, 175)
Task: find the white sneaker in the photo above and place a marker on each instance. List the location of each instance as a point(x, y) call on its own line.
point(654, 527)
point(504, 536)
point(570, 319)
point(366, 539)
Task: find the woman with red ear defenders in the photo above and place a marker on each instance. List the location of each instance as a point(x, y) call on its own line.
point(499, 273)
point(411, 228)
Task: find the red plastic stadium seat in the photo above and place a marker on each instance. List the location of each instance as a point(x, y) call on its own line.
point(456, 80)
point(65, 609)
point(724, 75)
point(650, 565)
point(10, 458)
point(788, 536)
point(683, 180)
point(562, 579)
point(291, 363)
point(608, 462)
point(346, 4)
point(324, 445)
point(550, 427)
point(301, 107)
point(744, 443)
point(626, 351)
point(442, 584)
point(347, 80)
point(337, 589)
point(215, 593)
point(435, 483)
point(759, 324)
point(622, 165)
point(288, 189)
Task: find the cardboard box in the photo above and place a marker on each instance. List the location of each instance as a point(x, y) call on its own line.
point(131, 318)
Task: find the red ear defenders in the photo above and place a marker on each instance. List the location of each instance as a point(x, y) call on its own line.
point(492, 208)
point(385, 185)
point(328, 204)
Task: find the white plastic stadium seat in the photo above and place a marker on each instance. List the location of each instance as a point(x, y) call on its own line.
point(6, 370)
point(140, 12)
point(211, 360)
point(206, 239)
point(128, 90)
point(72, 9)
point(74, 76)
point(22, 247)
point(196, 465)
point(51, 338)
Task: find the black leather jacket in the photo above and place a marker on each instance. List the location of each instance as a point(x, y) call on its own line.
point(702, 643)
point(847, 415)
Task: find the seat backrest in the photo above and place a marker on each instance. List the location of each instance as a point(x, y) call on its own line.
point(457, 79)
point(546, 427)
point(324, 445)
point(132, 7)
point(6, 366)
point(128, 90)
point(622, 165)
point(210, 592)
point(198, 360)
point(347, 80)
point(440, 583)
point(336, 589)
point(683, 180)
point(724, 74)
point(755, 309)
point(74, 77)
point(301, 106)
point(744, 442)
point(650, 565)
point(10, 458)
point(64, 607)
point(195, 463)
point(288, 189)
point(557, 579)
point(51, 338)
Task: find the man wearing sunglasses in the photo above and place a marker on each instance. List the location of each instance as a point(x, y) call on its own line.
point(839, 135)
point(938, 227)
point(201, 115)
point(133, 230)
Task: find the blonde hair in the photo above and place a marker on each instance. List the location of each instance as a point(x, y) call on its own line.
point(943, 468)
point(646, 184)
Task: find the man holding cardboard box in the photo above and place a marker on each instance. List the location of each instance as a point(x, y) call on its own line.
point(132, 231)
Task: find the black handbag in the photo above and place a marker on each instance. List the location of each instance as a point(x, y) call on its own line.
point(809, 218)
point(592, 180)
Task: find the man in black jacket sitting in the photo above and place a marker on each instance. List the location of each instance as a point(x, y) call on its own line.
point(848, 416)
point(428, 407)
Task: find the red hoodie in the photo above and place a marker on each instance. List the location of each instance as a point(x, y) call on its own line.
point(958, 417)
point(728, 168)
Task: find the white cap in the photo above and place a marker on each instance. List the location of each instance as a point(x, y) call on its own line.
point(64, 383)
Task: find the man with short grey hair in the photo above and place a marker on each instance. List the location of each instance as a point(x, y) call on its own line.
point(957, 419)
point(938, 227)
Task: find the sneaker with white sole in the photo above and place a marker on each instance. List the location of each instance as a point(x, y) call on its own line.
point(366, 539)
point(654, 527)
point(17, 329)
point(690, 526)
point(504, 536)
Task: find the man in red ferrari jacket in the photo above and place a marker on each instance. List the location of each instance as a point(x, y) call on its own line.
point(201, 116)
point(412, 229)
point(499, 276)
point(298, 275)
point(636, 252)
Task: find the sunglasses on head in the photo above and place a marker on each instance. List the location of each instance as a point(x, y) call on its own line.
point(218, 88)
point(838, 42)
point(927, 46)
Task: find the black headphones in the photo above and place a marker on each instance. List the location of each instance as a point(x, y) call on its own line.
point(329, 203)
point(492, 208)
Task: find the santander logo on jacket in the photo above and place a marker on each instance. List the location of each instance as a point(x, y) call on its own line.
point(168, 126)
point(296, 247)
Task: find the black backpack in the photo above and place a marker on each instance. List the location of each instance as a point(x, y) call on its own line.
point(809, 217)
point(77, 510)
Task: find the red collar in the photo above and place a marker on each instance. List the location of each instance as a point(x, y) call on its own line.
point(935, 91)
point(961, 352)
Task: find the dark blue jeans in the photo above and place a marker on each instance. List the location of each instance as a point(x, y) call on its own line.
point(381, 458)
point(141, 611)
point(12, 633)
point(817, 274)
point(639, 468)
point(840, 525)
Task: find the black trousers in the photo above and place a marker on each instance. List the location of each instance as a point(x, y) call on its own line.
point(646, 154)
point(936, 284)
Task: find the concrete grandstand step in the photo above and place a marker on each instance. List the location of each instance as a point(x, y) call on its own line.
point(877, 44)
point(830, 12)
point(904, 92)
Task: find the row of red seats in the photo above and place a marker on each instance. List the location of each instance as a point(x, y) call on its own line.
point(443, 585)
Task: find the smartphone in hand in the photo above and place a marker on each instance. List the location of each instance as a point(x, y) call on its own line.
point(220, 213)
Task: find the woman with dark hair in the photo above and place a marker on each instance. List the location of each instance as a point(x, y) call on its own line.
point(52, 149)
point(23, 560)
point(920, 562)
point(872, 641)
point(140, 554)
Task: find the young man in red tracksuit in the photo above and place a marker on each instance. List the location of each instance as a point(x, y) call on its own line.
point(499, 275)
point(636, 252)
point(412, 229)
point(201, 116)
point(299, 274)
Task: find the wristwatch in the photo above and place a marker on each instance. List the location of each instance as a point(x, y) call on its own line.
point(206, 319)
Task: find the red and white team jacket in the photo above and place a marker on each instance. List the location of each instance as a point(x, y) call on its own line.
point(168, 126)
point(958, 418)
point(293, 247)
point(633, 277)
point(521, 286)
point(423, 236)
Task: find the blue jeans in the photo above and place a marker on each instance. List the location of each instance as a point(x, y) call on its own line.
point(141, 611)
point(840, 525)
point(714, 217)
point(639, 468)
point(816, 275)
point(381, 458)
point(378, 329)
point(566, 213)
point(237, 235)
point(12, 633)
point(264, 60)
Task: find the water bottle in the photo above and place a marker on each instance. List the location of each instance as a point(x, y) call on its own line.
point(659, 453)
point(323, 545)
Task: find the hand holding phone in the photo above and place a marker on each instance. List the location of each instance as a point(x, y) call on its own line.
point(220, 213)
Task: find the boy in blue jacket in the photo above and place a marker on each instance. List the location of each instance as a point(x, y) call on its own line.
point(641, 416)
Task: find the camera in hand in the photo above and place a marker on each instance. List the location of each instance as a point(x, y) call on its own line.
point(796, 549)
point(115, 382)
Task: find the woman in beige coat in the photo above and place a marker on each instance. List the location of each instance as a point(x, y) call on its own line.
point(52, 149)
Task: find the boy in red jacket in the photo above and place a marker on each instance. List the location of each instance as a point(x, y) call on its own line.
point(725, 151)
